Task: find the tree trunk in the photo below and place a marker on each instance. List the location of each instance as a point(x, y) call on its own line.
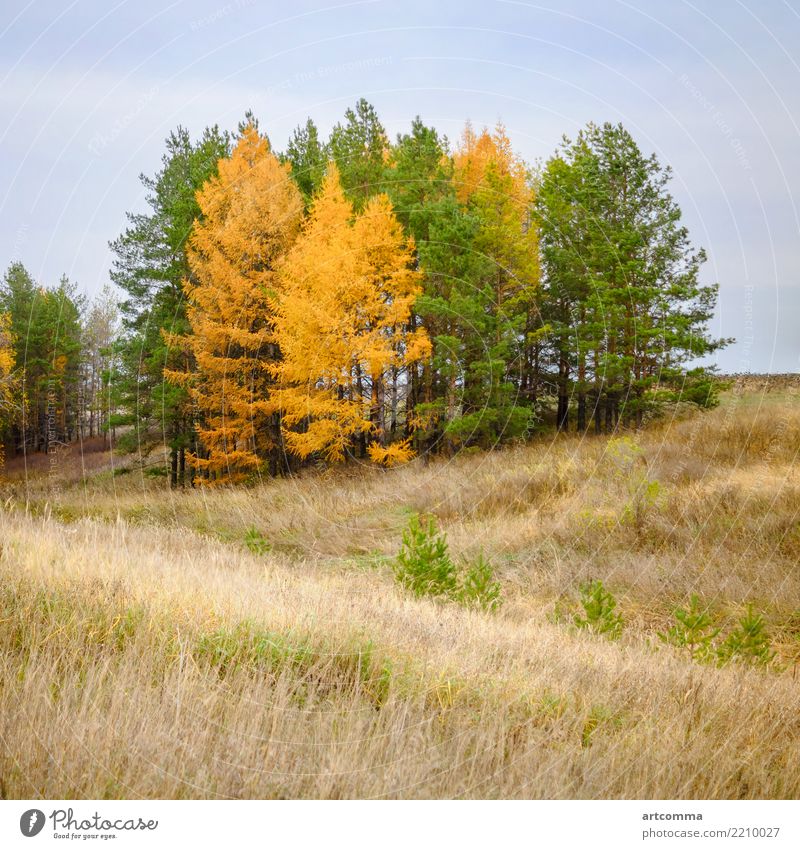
point(377, 413)
point(394, 402)
point(562, 415)
point(413, 381)
point(597, 412)
point(362, 437)
point(609, 414)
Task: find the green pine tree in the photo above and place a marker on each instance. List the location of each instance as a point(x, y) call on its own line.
point(150, 267)
point(360, 148)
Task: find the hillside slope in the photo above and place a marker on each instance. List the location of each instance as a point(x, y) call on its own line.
point(253, 642)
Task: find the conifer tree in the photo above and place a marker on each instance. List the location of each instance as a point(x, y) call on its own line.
point(150, 266)
point(360, 148)
point(420, 173)
point(7, 379)
point(19, 302)
point(308, 157)
point(61, 325)
point(495, 307)
point(622, 294)
point(250, 215)
point(46, 330)
point(419, 178)
point(341, 324)
point(456, 313)
point(100, 329)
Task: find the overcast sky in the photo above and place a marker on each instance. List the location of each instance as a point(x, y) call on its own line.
point(89, 90)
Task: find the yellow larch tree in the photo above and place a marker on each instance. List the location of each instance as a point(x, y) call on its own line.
point(342, 326)
point(250, 216)
point(494, 182)
point(487, 161)
point(7, 381)
point(495, 320)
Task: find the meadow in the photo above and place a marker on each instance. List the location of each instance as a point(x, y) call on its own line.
point(254, 642)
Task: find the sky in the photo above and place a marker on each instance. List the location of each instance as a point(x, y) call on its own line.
point(90, 89)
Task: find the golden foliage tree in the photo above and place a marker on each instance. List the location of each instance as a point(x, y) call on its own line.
point(494, 181)
point(490, 175)
point(481, 289)
point(7, 383)
point(250, 216)
point(477, 153)
point(342, 327)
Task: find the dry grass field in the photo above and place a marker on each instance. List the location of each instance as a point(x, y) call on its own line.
point(253, 643)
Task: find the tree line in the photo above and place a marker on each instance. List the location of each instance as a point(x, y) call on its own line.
point(56, 348)
point(358, 297)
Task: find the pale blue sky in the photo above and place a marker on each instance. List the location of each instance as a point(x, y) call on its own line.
point(89, 89)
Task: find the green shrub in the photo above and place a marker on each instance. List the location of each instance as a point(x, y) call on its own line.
point(701, 387)
point(256, 541)
point(630, 471)
point(425, 568)
point(748, 641)
point(693, 630)
point(423, 565)
point(598, 605)
point(479, 587)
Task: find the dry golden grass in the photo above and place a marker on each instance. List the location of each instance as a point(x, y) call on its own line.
point(145, 651)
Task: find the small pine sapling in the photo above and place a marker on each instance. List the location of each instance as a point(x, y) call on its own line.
point(599, 606)
point(423, 565)
point(479, 588)
point(693, 630)
point(256, 541)
point(748, 641)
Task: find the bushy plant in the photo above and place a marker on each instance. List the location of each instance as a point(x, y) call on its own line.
point(425, 568)
point(644, 495)
point(700, 386)
point(631, 473)
point(748, 641)
point(256, 541)
point(693, 630)
point(424, 565)
point(479, 588)
point(599, 611)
